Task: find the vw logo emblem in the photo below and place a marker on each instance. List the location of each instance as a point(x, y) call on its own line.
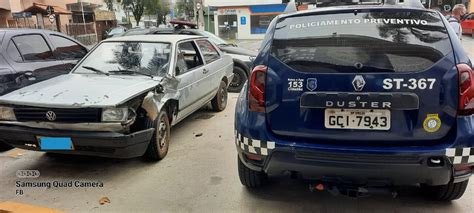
point(50, 115)
point(358, 83)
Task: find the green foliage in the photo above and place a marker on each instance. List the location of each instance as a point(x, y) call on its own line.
point(149, 7)
point(109, 4)
point(160, 8)
point(136, 6)
point(184, 8)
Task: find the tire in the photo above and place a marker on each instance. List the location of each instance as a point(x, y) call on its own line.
point(159, 143)
point(5, 147)
point(240, 77)
point(250, 178)
point(219, 102)
point(448, 192)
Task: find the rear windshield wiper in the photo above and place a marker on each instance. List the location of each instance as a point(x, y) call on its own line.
point(120, 71)
point(95, 70)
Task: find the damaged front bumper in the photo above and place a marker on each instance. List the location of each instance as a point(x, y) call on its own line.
point(102, 144)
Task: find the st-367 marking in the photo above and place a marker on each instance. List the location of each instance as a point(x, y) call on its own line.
point(412, 83)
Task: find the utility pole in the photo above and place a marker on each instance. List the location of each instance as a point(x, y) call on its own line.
point(199, 7)
point(83, 18)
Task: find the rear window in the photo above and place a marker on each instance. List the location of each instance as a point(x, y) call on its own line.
point(373, 41)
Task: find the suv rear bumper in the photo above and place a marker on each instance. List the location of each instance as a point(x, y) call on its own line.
point(102, 144)
point(393, 169)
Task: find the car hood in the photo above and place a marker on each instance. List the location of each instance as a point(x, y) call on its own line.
point(238, 51)
point(81, 90)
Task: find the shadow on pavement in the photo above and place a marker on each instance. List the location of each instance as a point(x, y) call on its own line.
point(296, 191)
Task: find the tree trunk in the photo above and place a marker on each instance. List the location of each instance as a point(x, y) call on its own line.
point(158, 19)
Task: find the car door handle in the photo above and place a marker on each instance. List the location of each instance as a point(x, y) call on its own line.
point(204, 71)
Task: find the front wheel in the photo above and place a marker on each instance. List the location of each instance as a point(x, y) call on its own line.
point(448, 192)
point(240, 77)
point(219, 102)
point(159, 144)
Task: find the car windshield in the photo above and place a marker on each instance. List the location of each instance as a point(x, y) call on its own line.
point(141, 57)
point(214, 38)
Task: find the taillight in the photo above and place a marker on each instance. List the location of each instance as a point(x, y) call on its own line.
point(466, 89)
point(257, 89)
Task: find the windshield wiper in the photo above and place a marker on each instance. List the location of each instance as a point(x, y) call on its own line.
point(95, 70)
point(120, 71)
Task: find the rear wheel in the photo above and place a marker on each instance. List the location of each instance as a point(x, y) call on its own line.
point(250, 178)
point(238, 81)
point(220, 100)
point(448, 192)
point(159, 144)
point(5, 147)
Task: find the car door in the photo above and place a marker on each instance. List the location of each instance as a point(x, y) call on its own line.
point(213, 64)
point(69, 51)
point(32, 59)
point(189, 70)
point(468, 24)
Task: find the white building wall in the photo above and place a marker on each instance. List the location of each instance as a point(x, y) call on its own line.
point(243, 31)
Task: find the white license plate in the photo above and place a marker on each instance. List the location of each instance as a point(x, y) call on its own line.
point(368, 119)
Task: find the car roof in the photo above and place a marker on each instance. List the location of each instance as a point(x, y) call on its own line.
point(155, 38)
point(351, 7)
point(25, 30)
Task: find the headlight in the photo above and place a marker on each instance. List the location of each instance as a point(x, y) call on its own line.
point(7, 114)
point(114, 114)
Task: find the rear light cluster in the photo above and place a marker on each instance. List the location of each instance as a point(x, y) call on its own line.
point(257, 89)
point(466, 89)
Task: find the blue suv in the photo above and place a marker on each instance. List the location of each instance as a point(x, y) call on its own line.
point(359, 97)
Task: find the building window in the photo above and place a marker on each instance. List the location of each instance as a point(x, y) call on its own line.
point(259, 23)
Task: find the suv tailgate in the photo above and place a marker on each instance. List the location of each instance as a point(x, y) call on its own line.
point(379, 74)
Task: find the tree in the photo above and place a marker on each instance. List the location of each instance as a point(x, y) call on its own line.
point(109, 4)
point(137, 7)
point(160, 8)
point(184, 8)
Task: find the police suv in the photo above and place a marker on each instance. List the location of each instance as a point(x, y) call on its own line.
point(359, 98)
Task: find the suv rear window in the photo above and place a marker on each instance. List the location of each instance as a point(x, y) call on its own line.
point(372, 41)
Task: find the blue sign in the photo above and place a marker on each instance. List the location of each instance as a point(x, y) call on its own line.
point(21, 15)
point(47, 143)
point(243, 20)
point(172, 14)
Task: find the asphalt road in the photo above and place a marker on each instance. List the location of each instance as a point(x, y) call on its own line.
point(198, 175)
